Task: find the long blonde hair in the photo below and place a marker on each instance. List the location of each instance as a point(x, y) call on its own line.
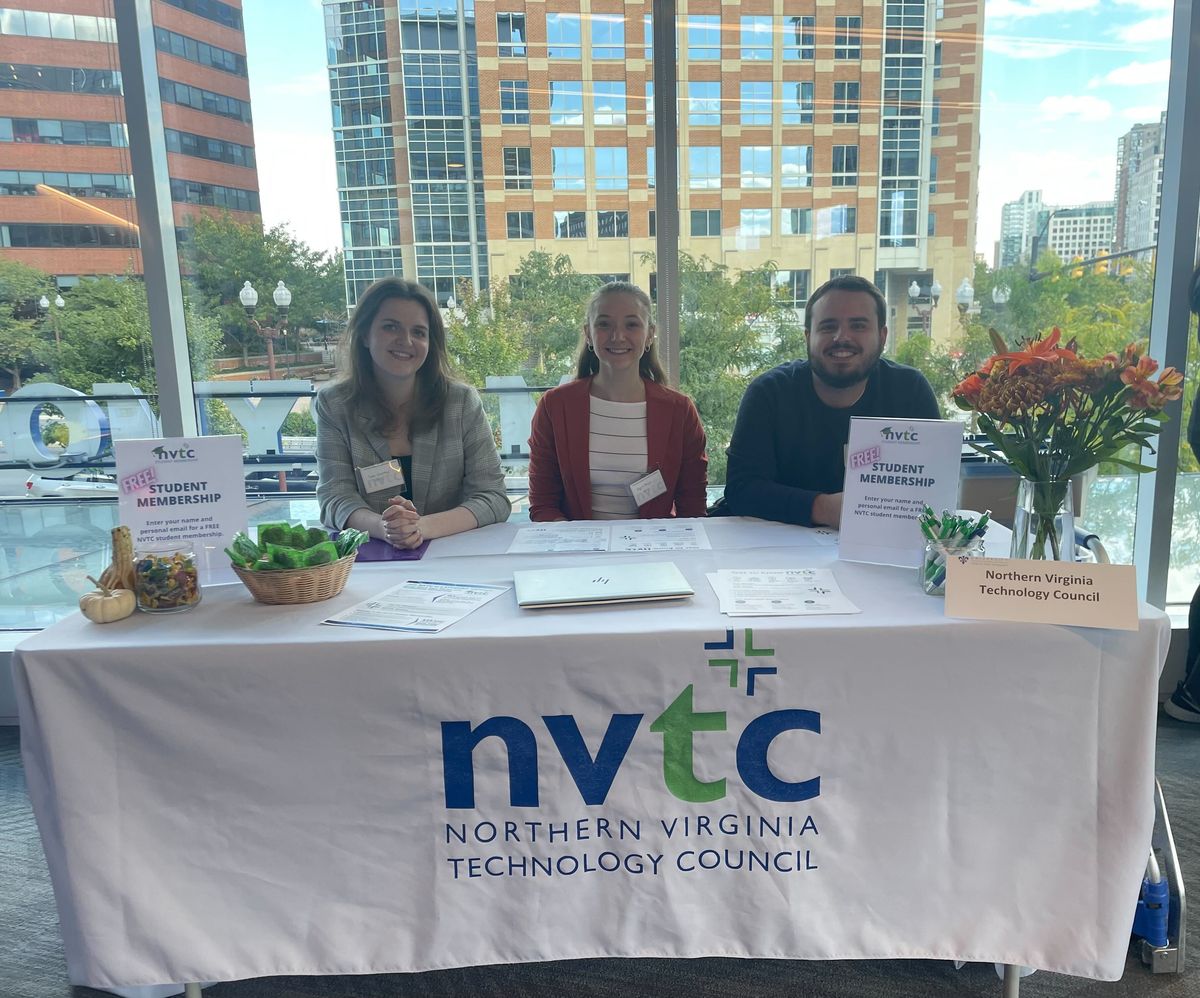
point(649, 366)
point(433, 377)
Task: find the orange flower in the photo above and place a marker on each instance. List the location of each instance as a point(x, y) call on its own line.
point(1041, 350)
point(1170, 384)
point(1147, 394)
point(1138, 375)
point(968, 390)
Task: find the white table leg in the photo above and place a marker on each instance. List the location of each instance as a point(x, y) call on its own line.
point(193, 990)
point(1012, 981)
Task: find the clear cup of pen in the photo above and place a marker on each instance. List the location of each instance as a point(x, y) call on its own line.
point(933, 564)
point(947, 536)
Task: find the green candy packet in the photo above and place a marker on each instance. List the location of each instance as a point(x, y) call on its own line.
point(320, 554)
point(282, 546)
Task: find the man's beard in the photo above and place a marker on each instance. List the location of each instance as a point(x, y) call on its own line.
point(845, 379)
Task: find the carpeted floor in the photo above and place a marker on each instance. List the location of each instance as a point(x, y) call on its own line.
point(31, 958)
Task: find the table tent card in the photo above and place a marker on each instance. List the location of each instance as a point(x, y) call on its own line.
point(1042, 592)
point(894, 467)
point(182, 492)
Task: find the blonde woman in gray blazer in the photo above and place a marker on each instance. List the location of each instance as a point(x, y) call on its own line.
point(397, 399)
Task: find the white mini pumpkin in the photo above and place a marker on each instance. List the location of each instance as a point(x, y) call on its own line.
point(106, 605)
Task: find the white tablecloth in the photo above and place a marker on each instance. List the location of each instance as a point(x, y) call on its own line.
point(239, 791)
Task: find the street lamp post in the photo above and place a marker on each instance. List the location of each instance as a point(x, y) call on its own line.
point(283, 300)
point(44, 308)
point(924, 301)
point(964, 297)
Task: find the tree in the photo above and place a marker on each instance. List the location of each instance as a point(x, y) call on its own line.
point(22, 345)
point(732, 327)
point(220, 254)
point(548, 296)
point(485, 334)
point(105, 330)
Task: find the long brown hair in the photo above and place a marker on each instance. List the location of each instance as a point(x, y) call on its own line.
point(433, 377)
point(649, 366)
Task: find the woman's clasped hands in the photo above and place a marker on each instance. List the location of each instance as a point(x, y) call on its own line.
point(402, 523)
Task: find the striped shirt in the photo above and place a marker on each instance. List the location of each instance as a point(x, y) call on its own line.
point(617, 455)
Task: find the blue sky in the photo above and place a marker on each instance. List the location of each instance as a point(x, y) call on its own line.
point(1062, 80)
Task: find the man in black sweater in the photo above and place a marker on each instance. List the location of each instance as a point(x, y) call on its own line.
point(787, 455)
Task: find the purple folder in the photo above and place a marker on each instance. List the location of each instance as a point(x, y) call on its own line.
point(376, 550)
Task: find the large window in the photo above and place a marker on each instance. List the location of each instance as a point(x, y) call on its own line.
point(704, 102)
point(847, 38)
point(566, 103)
point(800, 37)
point(514, 102)
point(845, 166)
point(796, 166)
point(704, 36)
point(567, 168)
point(756, 37)
point(563, 38)
point(704, 167)
point(845, 102)
point(756, 103)
point(894, 142)
point(612, 168)
point(510, 35)
point(798, 103)
point(706, 222)
point(570, 225)
point(520, 224)
point(518, 168)
point(755, 222)
point(612, 224)
point(608, 36)
point(756, 166)
point(608, 103)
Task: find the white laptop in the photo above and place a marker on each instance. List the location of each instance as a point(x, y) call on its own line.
point(600, 583)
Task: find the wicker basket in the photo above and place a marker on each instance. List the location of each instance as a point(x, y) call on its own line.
point(298, 585)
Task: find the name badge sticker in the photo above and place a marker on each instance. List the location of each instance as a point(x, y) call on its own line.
point(648, 487)
point(381, 476)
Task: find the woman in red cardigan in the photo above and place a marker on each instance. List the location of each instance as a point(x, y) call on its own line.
point(616, 443)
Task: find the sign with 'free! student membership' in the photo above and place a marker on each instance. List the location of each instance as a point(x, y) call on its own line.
point(178, 493)
point(1042, 592)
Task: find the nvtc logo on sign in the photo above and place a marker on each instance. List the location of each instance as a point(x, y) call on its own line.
point(174, 454)
point(678, 725)
point(907, 436)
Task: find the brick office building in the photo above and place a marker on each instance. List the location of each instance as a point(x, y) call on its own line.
point(66, 196)
point(824, 138)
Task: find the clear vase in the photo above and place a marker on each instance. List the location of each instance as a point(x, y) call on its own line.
point(1044, 521)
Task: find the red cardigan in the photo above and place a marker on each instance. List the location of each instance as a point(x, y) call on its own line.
point(560, 485)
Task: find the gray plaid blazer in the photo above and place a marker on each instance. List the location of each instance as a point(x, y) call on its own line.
point(453, 464)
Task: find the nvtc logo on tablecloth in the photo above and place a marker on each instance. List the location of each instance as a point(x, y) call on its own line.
point(679, 729)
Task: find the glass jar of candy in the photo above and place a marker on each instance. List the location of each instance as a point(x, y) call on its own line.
point(165, 579)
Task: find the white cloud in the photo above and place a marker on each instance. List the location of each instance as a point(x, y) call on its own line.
point(1136, 74)
point(1064, 178)
point(1024, 48)
point(1144, 113)
point(1154, 29)
point(1013, 9)
point(313, 85)
point(1151, 5)
point(1082, 107)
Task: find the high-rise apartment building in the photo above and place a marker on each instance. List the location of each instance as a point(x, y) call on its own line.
point(1081, 233)
point(1020, 221)
point(1029, 227)
point(66, 194)
point(1138, 188)
point(824, 138)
